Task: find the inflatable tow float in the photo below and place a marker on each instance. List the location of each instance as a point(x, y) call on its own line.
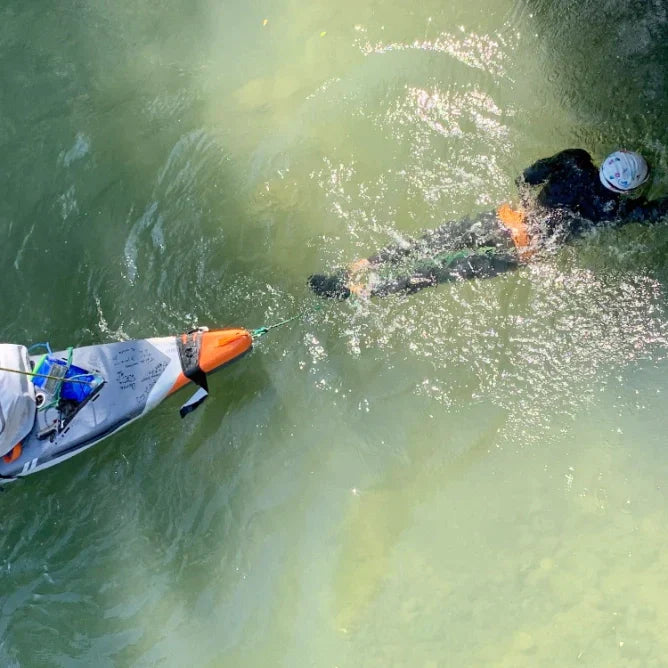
point(67, 401)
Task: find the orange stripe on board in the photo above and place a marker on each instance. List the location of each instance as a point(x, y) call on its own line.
point(13, 454)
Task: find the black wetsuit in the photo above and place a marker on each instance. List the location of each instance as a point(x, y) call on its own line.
point(571, 201)
point(476, 247)
point(571, 184)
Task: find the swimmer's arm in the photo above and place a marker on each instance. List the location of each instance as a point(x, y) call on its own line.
point(541, 170)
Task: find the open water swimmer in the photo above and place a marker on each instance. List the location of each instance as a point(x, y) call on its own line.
point(561, 197)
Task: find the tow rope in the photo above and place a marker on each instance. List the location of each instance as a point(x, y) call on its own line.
point(73, 379)
point(189, 350)
point(261, 331)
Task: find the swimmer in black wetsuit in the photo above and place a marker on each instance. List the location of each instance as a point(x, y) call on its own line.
point(575, 197)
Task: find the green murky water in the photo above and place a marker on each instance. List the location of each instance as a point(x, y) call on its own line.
point(474, 475)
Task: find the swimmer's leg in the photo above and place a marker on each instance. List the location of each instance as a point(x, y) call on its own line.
point(423, 262)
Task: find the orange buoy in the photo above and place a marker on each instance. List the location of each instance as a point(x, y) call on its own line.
point(216, 349)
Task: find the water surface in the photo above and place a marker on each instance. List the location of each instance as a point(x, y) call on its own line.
point(473, 475)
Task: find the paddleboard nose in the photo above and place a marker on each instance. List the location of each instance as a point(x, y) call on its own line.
point(221, 346)
point(215, 349)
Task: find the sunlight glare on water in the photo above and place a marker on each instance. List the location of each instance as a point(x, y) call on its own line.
point(472, 475)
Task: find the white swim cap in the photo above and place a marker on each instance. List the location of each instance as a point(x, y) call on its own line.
point(623, 171)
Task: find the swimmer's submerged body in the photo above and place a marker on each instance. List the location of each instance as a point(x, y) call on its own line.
point(574, 197)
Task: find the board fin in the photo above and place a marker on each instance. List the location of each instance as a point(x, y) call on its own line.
point(193, 402)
